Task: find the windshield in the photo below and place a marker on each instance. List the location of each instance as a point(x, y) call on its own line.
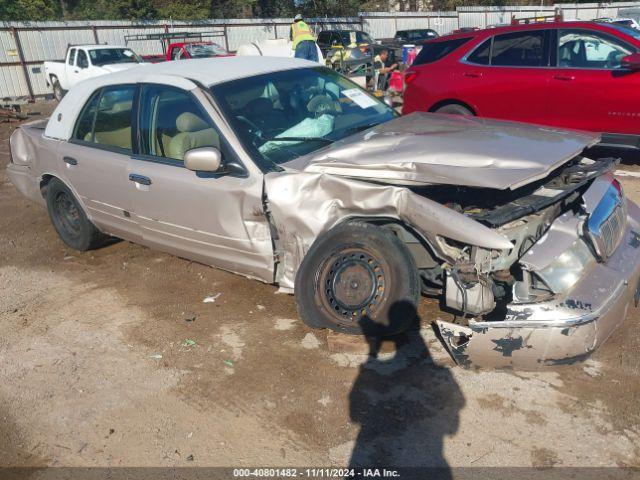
point(417, 34)
point(632, 32)
point(204, 50)
point(280, 116)
point(357, 37)
point(106, 56)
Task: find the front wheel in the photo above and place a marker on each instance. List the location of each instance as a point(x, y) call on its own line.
point(358, 278)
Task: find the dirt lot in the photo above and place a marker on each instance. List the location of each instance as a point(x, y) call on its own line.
point(111, 358)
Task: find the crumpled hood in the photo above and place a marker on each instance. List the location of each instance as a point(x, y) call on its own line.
point(427, 148)
point(119, 67)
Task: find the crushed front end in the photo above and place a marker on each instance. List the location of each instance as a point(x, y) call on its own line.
point(562, 289)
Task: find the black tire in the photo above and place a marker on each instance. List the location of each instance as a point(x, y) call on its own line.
point(455, 109)
point(69, 220)
point(58, 91)
point(380, 271)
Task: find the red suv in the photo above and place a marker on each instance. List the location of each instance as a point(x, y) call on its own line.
point(581, 75)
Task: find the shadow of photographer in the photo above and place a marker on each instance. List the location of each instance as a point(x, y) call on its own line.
point(405, 404)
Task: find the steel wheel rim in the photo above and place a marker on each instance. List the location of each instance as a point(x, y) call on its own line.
point(67, 213)
point(353, 283)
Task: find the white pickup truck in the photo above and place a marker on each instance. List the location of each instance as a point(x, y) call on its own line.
point(86, 61)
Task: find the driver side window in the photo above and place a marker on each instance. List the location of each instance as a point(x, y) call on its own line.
point(589, 49)
point(82, 60)
point(172, 123)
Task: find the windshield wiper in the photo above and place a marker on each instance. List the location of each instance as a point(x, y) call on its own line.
point(359, 128)
point(301, 139)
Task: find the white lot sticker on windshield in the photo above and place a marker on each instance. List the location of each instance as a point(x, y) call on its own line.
point(359, 98)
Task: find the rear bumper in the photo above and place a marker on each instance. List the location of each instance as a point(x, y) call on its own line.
point(562, 331)
point(21, 177)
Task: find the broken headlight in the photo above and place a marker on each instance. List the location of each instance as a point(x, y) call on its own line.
point(562, 274)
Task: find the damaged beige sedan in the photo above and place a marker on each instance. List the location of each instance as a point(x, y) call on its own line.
point(288, 173)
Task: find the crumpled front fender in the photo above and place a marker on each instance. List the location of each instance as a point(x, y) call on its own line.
point(304, 205)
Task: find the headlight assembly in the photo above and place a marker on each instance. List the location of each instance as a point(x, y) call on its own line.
point(563, 272)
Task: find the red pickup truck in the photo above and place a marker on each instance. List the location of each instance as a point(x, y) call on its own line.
point(182, 45)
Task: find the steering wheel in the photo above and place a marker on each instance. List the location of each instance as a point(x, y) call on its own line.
point(256, 134)
point(326, 102)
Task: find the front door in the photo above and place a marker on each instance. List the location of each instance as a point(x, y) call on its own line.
point(94, 163)
point(589, 90)
point(214, 218)
point(81, 70)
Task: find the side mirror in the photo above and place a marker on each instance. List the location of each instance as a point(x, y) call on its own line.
point(205, 159)
point(631, 62)
point(388, 99)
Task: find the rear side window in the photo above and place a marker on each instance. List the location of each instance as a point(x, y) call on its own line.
point(482, 54)
point(72, 56)
point(84, 125)
point(434, 51)
point(518, 49)
point(106, 118)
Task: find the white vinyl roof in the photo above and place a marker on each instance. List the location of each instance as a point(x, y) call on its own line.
point(178, 73)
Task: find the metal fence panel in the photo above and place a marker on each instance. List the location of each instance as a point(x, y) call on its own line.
point(12, 82)
point(8, 49)
point(41, 45)
point(379, 27)
point(41, 41)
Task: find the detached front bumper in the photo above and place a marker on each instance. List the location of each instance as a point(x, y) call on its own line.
point(563, 330)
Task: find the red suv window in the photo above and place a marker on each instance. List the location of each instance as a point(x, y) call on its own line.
point(516, 49)
point(433, 51)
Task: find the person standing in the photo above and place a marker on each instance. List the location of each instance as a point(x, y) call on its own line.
point(382, 71)
point(304, 43)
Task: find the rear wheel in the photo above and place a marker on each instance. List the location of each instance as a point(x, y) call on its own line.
point(69, 220)
point(360, 279)
point(58, 91)
point(455, 109)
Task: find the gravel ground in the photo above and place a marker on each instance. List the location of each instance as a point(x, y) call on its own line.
point(111, 358)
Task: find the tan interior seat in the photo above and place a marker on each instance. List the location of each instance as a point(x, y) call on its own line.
point(116, 138)
point(193, 132)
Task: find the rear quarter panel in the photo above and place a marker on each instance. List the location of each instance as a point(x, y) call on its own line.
point(35, 157)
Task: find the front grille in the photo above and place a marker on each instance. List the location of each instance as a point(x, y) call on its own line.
point(611, 230)
point(607, 222)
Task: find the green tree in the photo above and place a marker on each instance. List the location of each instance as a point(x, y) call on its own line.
point(29, 10)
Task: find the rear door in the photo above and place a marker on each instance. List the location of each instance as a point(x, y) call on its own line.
point(507, 76)
point(589, 90)
point(94, 162)
point(214, 218)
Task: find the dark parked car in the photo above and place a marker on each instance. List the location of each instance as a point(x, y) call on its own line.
point(415, 37)
point(329, 40)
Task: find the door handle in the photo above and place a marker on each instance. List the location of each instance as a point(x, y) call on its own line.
point(141, 179)
point(564, 78)
point(70, 160)
point(75, 71)
point(472, 74)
